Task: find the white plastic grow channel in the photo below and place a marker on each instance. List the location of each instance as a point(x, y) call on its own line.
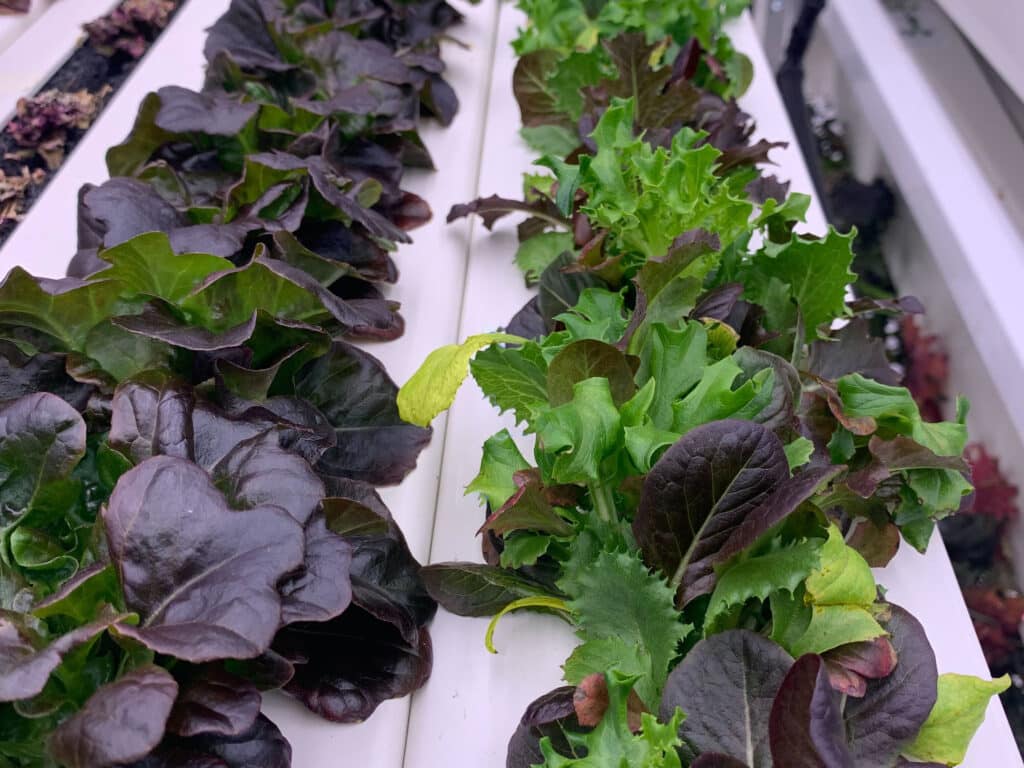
point(473, 702)
point(38, 43)
point(430, 289)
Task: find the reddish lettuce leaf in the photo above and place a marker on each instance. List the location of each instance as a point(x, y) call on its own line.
point(211, 593)
point(806, 723)
point(726, 685)
point(96, 736)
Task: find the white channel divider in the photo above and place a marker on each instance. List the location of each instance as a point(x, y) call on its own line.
point(473, 702)
point(42, 46)
point(430, 289)
point(13, 24)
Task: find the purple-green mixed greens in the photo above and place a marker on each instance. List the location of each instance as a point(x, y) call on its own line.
point(715, 467)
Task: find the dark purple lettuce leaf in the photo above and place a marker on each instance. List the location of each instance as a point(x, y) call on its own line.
point(327, 249)
point(361, 158)
point(268, 671)
point(244, 31)
point(42, 439)
point(151, 415)
point(346, 667)
point(726, 686)
point(852, 350)
point(259, 472)
point(122, 722)
point(412, 24)
point(186, 111)
point(321, 590)
point(786, 498)
point(550, 716)
point(717, 760)
point(27, 661)
point(121, 208)
point(386, 581)
point(322, 177)
point(699, 492)
point(156, 414)
point(528, 322)
point(261, 746)
point(766, 187)
point(379, 647)
point(850, 666)
point(806, 724)
point(202, 576)
point(21, 375)
point(474, 589)
point(212, 701)
point(492, 208)
point(174, 113)
point(158, 322)
point(881, 723)
point(664, 103)
point(299, 426)
point(718, 303)
point(367, 319)
point(351, 388)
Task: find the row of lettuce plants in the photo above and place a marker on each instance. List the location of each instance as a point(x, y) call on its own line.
point(189, 440)
point(716, 464)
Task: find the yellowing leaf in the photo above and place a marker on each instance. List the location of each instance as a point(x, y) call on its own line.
point(844, 577)
point(835, 606)
point(957, 714)
point(432, 388)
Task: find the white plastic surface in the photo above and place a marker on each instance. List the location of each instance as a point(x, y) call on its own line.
point(994, 28)
point(473, 702)
point(13, 24)
point(42, 46)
